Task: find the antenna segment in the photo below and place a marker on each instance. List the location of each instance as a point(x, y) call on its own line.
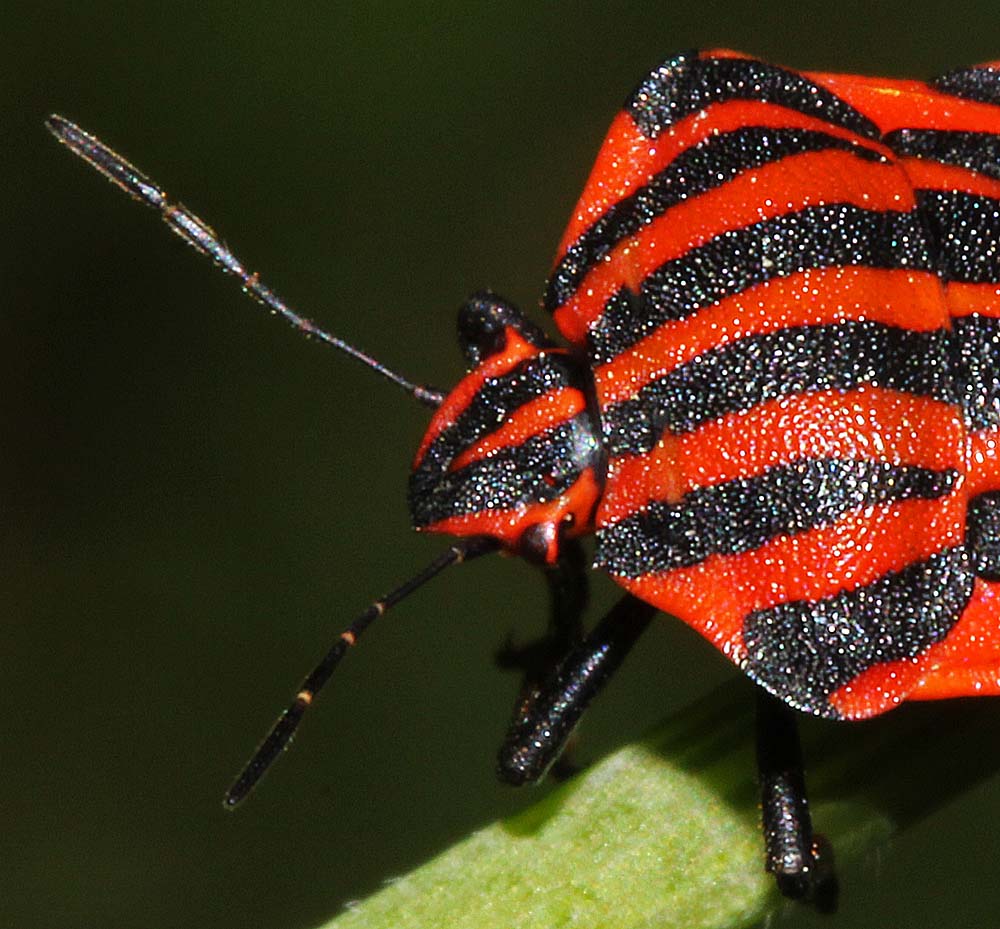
point(200, 236)
point(284, 728)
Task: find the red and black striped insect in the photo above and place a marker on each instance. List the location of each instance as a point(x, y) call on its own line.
point(778, 411)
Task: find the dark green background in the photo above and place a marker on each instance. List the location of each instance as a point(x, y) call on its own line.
point(196, 499)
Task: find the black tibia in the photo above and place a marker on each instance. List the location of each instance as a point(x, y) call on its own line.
point(546, 719)
point(537, 660)
point(567, 580)
point(801, 862)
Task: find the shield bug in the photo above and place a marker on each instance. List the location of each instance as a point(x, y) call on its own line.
point(777, 408)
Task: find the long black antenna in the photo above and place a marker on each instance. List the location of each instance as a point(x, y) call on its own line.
point(198, 234)
point(284, 728)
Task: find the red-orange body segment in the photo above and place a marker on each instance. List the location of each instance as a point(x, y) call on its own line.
point(967, 662)
point(714, 596)
point(698, 300)
point(534, 420)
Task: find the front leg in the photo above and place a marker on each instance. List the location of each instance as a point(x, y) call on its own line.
point(567, 581)
point(801, 862)
point(568, 591)
point(544, 721)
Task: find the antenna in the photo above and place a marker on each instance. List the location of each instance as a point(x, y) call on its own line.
point(198, 234)
point(284, 728)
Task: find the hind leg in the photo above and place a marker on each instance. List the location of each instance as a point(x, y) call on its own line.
point(801, 862)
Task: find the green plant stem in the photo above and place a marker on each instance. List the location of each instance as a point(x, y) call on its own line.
point(665, 833)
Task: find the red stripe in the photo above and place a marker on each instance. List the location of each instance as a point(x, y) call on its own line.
point(965, 664)
point(515, 351)
point(867, 423)
point(715, 597)
point(775, 189)
point(574, 508)
point(909, 104)
point(984, 462)
point(534, 417)
point(927, 174)
point(967, 299)
point(813, 297)
point(627, 159)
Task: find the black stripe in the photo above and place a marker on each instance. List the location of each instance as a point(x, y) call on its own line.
point(975, 151)
point(966, 232)
point(739, 376)
point(710, 164)
point(496, 401)
point(685, 84)
point(803, 652)
point(743, 514)
point(976, 363)
point(536, 471)
point(815, 237)
point(981, 85)
point(982, 535)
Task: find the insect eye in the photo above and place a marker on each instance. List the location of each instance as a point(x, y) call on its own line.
point(483, 321)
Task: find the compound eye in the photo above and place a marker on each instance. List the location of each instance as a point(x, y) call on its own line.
point(483, 321)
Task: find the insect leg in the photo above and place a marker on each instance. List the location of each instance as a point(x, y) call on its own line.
point(538, 659)
point(539, 732)
point(801, 862)
point(567, 582)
